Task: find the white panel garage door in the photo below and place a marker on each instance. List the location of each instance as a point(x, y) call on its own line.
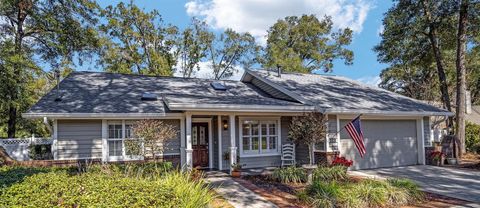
point(389, 143)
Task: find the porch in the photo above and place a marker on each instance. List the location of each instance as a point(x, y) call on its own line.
point(216, 142)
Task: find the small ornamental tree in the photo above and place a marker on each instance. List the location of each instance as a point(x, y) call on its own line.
point(154, 134)
point(308, 129)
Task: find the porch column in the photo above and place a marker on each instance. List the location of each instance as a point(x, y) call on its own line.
point(182, 142)
point(220, 132)
point(233, 146)
point(420, 141)
point(188, 150)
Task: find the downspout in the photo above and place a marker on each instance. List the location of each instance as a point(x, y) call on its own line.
point(45, 121)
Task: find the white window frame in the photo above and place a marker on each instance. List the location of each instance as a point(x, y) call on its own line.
point(260, 152)
point(124, 156)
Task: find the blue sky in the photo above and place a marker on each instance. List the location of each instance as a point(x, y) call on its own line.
point(254, 16)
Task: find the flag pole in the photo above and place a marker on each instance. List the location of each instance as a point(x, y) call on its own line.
point(361, 114)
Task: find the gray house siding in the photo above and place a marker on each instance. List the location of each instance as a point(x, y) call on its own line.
point(173, 145)
point(271, 90)
point(225, 145)
point(215, 141)
point(79, 139)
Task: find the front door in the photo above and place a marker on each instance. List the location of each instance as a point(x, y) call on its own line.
point(200, 144)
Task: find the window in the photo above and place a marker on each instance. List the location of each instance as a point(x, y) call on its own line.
point(118, 132)
point(259, 137)
point(115, 143)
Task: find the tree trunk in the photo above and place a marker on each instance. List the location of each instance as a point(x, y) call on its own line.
point(22, 6)
point(461, 75)
point(432, 35)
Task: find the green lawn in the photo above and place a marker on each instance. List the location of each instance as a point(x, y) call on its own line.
point(132, 185)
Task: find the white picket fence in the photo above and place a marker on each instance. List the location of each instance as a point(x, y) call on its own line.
point(17, 148)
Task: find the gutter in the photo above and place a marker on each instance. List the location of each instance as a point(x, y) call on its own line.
point(240, 108)
point(391, 113)
point(100, 115)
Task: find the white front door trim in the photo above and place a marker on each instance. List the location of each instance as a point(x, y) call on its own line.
point(210, 138)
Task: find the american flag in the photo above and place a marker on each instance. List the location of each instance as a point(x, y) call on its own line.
point(355, 131)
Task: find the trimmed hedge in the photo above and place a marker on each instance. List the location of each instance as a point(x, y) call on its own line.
point(138, 185)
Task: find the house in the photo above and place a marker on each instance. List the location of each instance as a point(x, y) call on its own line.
point(93, 112)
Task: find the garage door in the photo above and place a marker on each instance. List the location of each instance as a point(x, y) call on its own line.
point(389, 143)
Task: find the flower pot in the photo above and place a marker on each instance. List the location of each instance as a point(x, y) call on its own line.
point(452, 161)
point(236, 174)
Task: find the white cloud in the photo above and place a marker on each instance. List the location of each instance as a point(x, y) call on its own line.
point(206, 72)
point(256, 16)
point(370, 80)
point(380, 30)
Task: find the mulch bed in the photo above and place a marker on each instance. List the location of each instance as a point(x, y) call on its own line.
point(470, 161)
point(283, 195)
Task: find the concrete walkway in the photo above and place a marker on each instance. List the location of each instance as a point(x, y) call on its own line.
point(456, 183)
point(236, 194)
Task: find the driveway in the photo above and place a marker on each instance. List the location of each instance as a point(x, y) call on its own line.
point(456, 183)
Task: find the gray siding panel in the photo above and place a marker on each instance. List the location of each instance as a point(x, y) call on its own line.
point(226, 144)
point(270, 90)
point(215, 141)
point(259, 162)
point(173, 145)
point(79, 139)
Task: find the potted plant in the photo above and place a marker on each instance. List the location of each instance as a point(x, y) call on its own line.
point(437, 158)
point(236, 170)
point(452, 160)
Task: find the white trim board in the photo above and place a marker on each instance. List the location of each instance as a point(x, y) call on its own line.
point(104, 115)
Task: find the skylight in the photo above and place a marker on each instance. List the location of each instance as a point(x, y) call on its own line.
point(218, 86)
point(149, 96)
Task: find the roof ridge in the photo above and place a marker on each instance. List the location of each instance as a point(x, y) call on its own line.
point(153, 76)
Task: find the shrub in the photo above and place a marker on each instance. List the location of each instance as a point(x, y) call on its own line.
point(342, 161)
point(409, 186)
point(365, 193)
point(40, 152)
point(101, 186)
point(334, 173)
point(472, 137)
point(290, 174)
point(324, 194)
point(372, 192)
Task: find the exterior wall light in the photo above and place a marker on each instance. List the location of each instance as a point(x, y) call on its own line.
point(225, 124)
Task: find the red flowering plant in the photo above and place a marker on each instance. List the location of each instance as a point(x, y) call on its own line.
point(342, 161)
point(437, 155)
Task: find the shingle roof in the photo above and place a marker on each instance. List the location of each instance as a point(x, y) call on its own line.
point(99, 92)
point(339, 94)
